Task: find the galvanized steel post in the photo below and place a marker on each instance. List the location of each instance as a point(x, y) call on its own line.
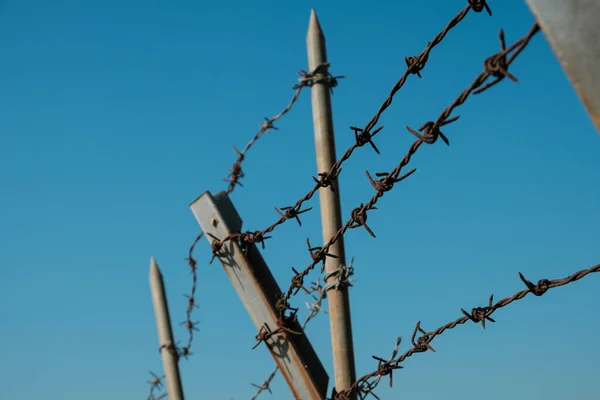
point(331, 217)
point(165, 333)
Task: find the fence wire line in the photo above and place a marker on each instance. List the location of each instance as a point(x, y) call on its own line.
point(415, 64)
point(421, 339)
point(363, 136)
point(318, 292)
point(496, 66)
point(306, 79)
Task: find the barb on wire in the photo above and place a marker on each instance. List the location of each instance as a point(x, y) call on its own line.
point(421, 339)
point(365, 135)
point(342, 277)
point(430, 133)
point(319, 75)
point(156, 386)
point(189, 324)
point(306, 79)
point(266, 385)
point(318, 293)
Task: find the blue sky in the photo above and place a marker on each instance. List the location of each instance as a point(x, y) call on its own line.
point(115, 115)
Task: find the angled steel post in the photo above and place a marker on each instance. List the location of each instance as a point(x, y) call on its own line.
point(165, 333)
point(258, 290)
point(331, 216)
point(573, 27)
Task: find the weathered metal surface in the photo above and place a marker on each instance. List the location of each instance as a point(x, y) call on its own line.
point(259, 292)
point(572, 27)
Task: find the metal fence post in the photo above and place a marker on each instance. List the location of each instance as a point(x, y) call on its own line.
point(331, 217)
point(165, 333)
point(255, 285)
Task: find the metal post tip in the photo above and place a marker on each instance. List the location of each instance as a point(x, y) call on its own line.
point(314, 27)
point(154, 266)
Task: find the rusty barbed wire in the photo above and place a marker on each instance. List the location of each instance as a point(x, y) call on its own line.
point(266, 385)
point(495, 66)
point(306, 79)
point(363, 136)
point(359, 216)
point(156, 385)
point(421, 339)
point(318, 293)
point(189, 324)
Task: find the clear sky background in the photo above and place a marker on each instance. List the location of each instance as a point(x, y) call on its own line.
point(114, 115)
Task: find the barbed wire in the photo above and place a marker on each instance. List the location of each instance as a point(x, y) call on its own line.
point(362, 136)
point(318, 293)
point(189, 324)
point(156, 385)
point(421, 339)
point(266, 385)
point(415, 64)
point(495, 70)
point(307, 79)
point(358, 217)
point(495, 66)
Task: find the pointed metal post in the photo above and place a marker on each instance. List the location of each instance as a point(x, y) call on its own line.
point(331, 216)
point(165, 333)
